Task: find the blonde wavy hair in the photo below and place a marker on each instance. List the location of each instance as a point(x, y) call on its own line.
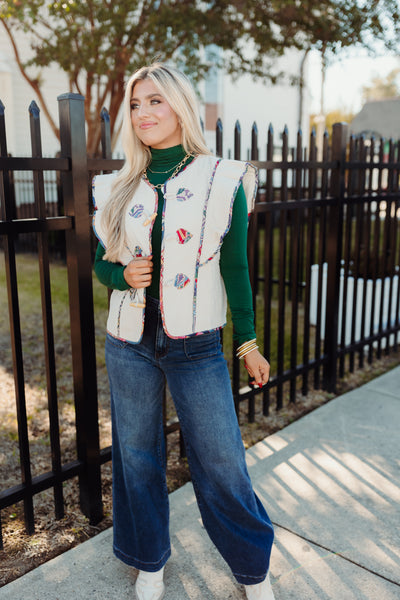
point(176, 88)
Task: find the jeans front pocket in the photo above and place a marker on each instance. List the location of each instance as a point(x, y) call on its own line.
point(116, 342)
point(205, 345)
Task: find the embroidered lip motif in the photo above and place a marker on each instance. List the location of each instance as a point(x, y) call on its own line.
point(181, 280)
point(183, 235)
point(136, 211)
point(183, 194)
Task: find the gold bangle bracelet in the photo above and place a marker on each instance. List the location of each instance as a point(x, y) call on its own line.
point(246, 348)
point(248, 351)
point(245, 344)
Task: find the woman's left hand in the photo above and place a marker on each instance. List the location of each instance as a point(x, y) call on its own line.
point(258, 367)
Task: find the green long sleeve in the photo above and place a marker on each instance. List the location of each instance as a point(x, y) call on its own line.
point(235, 271)
point(109, 274)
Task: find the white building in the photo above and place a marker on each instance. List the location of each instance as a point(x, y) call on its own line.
point(16, 95)
point(244, 100)
point(250, 101)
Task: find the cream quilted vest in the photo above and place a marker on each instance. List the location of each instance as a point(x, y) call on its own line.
point(197, 214)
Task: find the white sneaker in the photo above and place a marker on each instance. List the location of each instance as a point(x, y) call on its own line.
point(260, 591)
point(150, 585)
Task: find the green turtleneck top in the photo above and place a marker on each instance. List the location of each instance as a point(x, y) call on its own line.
point(233, 259)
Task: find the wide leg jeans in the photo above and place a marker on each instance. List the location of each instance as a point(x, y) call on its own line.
point(198, 379)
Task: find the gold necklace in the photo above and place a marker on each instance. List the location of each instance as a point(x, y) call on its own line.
point(178, 167)
point(160, 172)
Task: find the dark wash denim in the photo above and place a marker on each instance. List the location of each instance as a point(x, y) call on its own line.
point(198, 378)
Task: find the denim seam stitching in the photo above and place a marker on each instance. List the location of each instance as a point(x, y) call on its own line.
point(132, 558)
point(249, 576)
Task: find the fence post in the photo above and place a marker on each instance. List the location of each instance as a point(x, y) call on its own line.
point(252, 245)
point(105, 134)
point(47, 314)
point(75, 193)
point(237, 141)
point(218, 138)
point(334, 254)
point(7, 214)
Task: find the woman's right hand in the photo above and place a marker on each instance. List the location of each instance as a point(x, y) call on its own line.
point(138, 272)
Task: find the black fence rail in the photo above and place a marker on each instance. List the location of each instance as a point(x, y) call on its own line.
point(22, 194)
point(324, 256)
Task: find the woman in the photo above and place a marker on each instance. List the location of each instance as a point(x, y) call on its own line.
point(172, 227)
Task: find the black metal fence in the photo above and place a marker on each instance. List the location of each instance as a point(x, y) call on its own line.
point(324, 255)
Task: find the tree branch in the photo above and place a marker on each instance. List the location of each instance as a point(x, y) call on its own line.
point(140, 25)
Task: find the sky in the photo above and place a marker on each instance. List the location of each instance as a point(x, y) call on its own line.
point(345, 78)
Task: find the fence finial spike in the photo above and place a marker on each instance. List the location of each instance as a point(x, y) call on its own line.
point(34, 110)
point(313, 132)
point(237, 125)
point(104, 115)
point(2, 108)
point(254, 127)
point(270, 129)
point(286, 130)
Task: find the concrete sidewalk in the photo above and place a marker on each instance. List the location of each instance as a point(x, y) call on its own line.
point(331, 485)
